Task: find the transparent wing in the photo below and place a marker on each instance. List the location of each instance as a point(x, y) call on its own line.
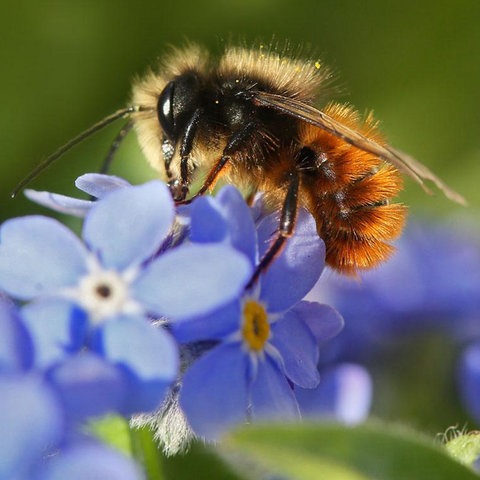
point(402, 161)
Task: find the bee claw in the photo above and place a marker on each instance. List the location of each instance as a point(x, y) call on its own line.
point(179, 191)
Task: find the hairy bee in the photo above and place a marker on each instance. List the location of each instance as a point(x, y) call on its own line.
point(250, 118)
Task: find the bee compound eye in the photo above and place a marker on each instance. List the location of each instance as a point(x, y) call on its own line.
point(165, 110)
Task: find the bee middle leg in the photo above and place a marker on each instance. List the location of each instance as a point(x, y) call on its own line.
point(286, 226)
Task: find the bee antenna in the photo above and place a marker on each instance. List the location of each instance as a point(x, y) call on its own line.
point(74, 141)
point(115, 146)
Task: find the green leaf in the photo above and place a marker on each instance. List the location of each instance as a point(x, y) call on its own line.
point(136, 443)
point(201, 463)
point(113, 430)
point(147, 453)
point(333, 452)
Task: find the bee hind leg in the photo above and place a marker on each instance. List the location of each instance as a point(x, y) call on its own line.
point(286, 227)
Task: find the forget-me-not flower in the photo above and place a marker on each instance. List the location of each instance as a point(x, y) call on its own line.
point(121, 276)
point(267, 338)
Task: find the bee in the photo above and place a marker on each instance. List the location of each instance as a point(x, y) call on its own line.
point(251, 117)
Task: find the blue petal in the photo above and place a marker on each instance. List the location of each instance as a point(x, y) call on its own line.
point(38, 255)
point(259, 209)
point(30, 419)
point(344, 394)
point(58, 329)
point(146, 353)
point(214, 391)
point(469, 380)
point(298, 348)
point(89, 386)
point(242, 232)
point(207, 223)
point(272, 397)
point(16, 349)
point(294, 273)
point(213, 326)
point(99, 185)
point(129, 224)
point(322, 320)
point(192, 280)
point(91, 461)
point(60, 203)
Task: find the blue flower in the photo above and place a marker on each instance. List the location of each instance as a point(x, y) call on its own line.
point(37, 441)
point(469, 379)
point(266, 338)
point(31, 417)
point(100, 294)
point(119, 270)
point(432, 283)
point(431, 287)
point(344, 394)
point(16, 348)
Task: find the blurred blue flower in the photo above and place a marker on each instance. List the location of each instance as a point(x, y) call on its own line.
point(344, 394)
point(31, 422)
point(89, 460)
point(476, 464)
point(432, 283)
point(469, 379)
point(16, 347)
point(31, 417)
point(430, 286)
point(37, 441)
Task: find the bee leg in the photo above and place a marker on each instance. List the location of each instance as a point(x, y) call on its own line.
point(180, 189)
point(117, 141)
point(286, 227)
point(168, 151)
point(235, 143)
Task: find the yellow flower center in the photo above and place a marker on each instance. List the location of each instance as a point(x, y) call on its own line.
point(256, 329)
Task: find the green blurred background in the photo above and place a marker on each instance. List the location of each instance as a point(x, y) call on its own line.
point(64, 65)
point(67, 64)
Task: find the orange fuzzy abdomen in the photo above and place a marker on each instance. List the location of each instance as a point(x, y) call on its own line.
point(349, 193)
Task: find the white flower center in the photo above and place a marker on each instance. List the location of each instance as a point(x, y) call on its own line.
point(105, 293)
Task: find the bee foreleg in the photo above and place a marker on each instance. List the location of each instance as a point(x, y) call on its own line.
point(286, 227)
point(180, 191)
